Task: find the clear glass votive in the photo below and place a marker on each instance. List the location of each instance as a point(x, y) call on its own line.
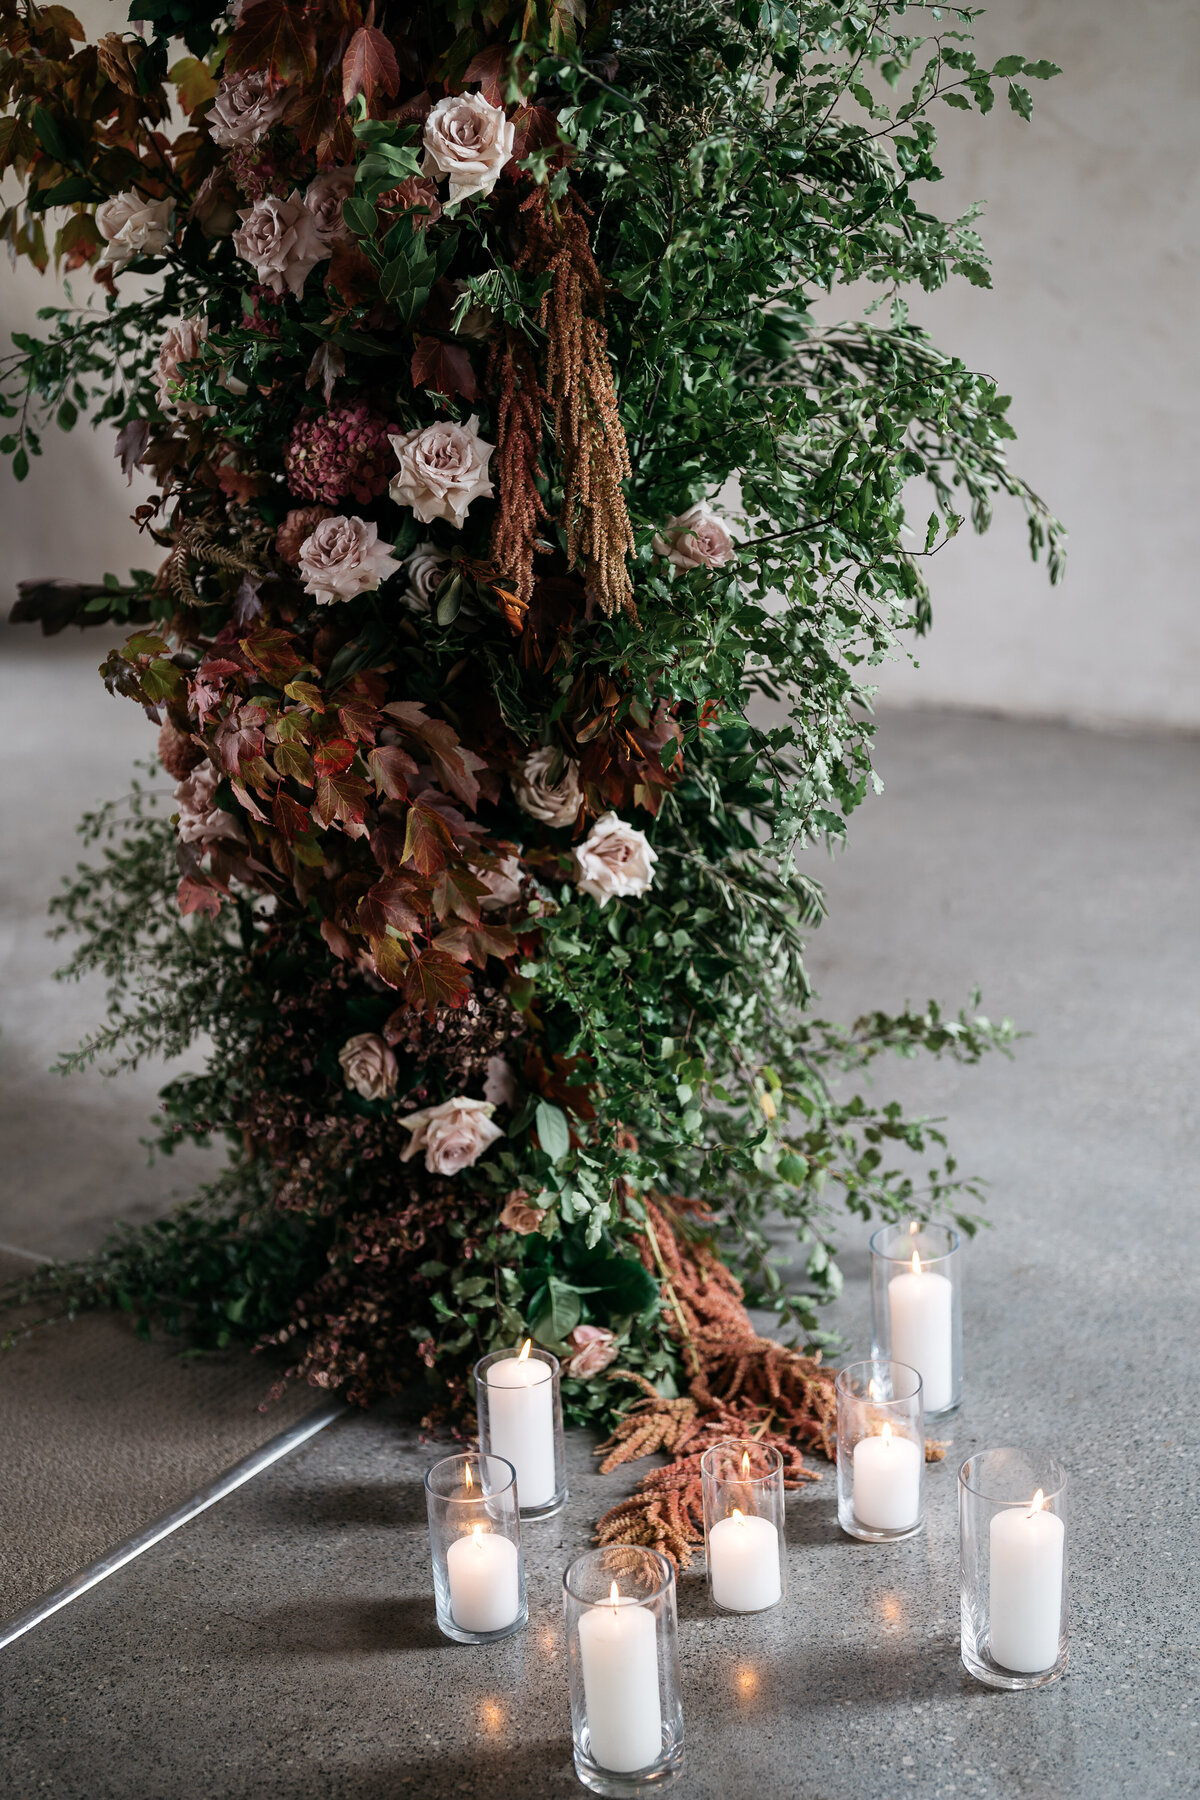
point(916, 1307)
point(1012, 1538)
point(880, 1451)
point(742, 1484)
point(519, 1402)
point(623, 1651)
point(475, 1540)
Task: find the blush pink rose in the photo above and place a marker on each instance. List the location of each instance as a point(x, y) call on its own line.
point(245, 109)
point(201, 821)
point(500, 1082)
point(503, 884)
point(324, 197)
point(281, 241)
point(453, 1135)
point(696, 539)
point(546, 786)
point(614, 861)
point(344, 557)
point(470, 140)
point(425, 568)
point(595, 1349)
point(518, 1215)
point(132, 227)
point(181, 344)
point(368, 1065)
point(443, 468)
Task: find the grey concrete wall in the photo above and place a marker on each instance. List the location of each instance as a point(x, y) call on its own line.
point(1092, 226)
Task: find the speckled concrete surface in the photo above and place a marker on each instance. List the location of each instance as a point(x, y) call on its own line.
point(284, 1645)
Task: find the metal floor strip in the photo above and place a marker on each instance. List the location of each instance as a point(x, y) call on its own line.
point(116, 1558)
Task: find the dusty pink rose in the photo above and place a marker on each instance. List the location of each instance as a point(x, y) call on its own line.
point(201, 820)
point(344, 557)
point(696, 539)
point(181, 344)
point(132, 227)
point(518, 1215)
point(547, 786)
point(324, 197)
point(426, 570)
point(368, 1066)
point(281, 241)
point(503, 884)
point(500, 1082)
point(614, 860)
point(443, 468)
point(245, 109)
point(417, 196)
point(470, 140)
point(595, 1348)
point(453, 1135)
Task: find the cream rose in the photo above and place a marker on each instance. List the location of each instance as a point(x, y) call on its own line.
point(443, 468)
point(368, 1066)
point(518, 1215)
point(281, 241)
point(503, 884)
point(181, 344)
point(614, 860)
point(426, 570)
point(245, 109)
point(201, 821)
point(453, 1135)
point(470, 140)
point(550, 797)
point(344, 557)
point(132, 227)
point(696, 539)
point(595, 1348)
point(324, 197)
point(500, 1082)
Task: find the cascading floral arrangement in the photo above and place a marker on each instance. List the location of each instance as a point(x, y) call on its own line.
point(525, 542)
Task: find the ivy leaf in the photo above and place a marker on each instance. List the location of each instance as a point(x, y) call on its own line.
point(443, 369)
point(369, 66)
point(433, 979)
point(554, 1134)
point(273, 35)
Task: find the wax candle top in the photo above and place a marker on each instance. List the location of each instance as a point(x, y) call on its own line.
point(521, 1370)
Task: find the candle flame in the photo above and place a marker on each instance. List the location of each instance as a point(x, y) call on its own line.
point(914, 1225)
point(916, 1264)
point(1037, 1503)
point(477, 1536)
point(614, 1596)
point(467, 1483)
point(872, 1390)
point(886, 1434)
point(745, 1465)
point(739, 1516)
point(523, 1353)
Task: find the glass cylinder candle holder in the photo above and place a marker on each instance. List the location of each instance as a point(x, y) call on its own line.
point(916, 1307)
point(742, 1484)
point(1012, 1537)
point(475, 1538)
point(880, 1451)
point(519, 1402)
point(623, 1651)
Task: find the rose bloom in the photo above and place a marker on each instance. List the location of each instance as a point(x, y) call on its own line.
point(595, 1348)
point(518, 1215)
point(245, 109)
point(417, 196)
point(614, 860)
point(324, 197)
point(500, 1083)
point(470, 140)
point(181, 344)
point(344, 557)
point(132, 227)
point(552, 802)
point(296, 529)
point(426, 570)
point(443, 468)
point(368, 1066)
point(281, 241)
point(453, 1135)
point(696, 539)
point(201, 821)
point(503, 884)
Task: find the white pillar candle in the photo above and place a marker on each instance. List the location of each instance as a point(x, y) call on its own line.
point(921, 1309)
point(521, 1423)
point(1025, 1598)
point(743, 1563)
point(887, 1481)
point(618, 1648)
point(482, 1568)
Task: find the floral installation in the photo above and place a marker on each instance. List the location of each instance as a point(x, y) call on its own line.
point(443, 339)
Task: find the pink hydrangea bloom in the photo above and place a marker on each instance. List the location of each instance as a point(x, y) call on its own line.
point(339, 454)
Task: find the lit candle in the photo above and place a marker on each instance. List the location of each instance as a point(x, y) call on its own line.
point(920, 1305)
point(618, 1648)
point(482, 1568)
point(887, 1481)
point(743, 1563)
point(521, 1423)
point(1026, 1578)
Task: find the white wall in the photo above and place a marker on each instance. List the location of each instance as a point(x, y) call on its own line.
point(1093, 230)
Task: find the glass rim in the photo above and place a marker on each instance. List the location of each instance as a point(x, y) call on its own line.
point(980, 1493)
point(954, 1244)
point(741, 1443)
point(544, 1358)
point(665, 1566)
point(880, 1362)
point(469, 1456)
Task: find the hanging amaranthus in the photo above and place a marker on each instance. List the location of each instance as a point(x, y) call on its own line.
point(513, 378)
point(587, 427)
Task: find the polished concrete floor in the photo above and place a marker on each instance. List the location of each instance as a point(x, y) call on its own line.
point(283, 1644)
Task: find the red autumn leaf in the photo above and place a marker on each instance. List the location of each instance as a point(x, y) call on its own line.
point(434, 979)
point(198, 896)
point(291, 819)
point(257, 771)
point(273, 35)
point(305, 694)
point(332, 756)
point(247, 803)
point(487, 68)
point(389, 902)
point(387, 839)
point(341, 797)
point(533, 128)
point(311, 115)
point(443, 369)
point(358, 717)
point(454, 766)
point(239, 735)
point(390, 768)
point(456, 894)
point(369, 66)
point(426, 839)
point(390, 960)
point(337, 940)
point(273, 654)
point(475, 943)
point(294, 763)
